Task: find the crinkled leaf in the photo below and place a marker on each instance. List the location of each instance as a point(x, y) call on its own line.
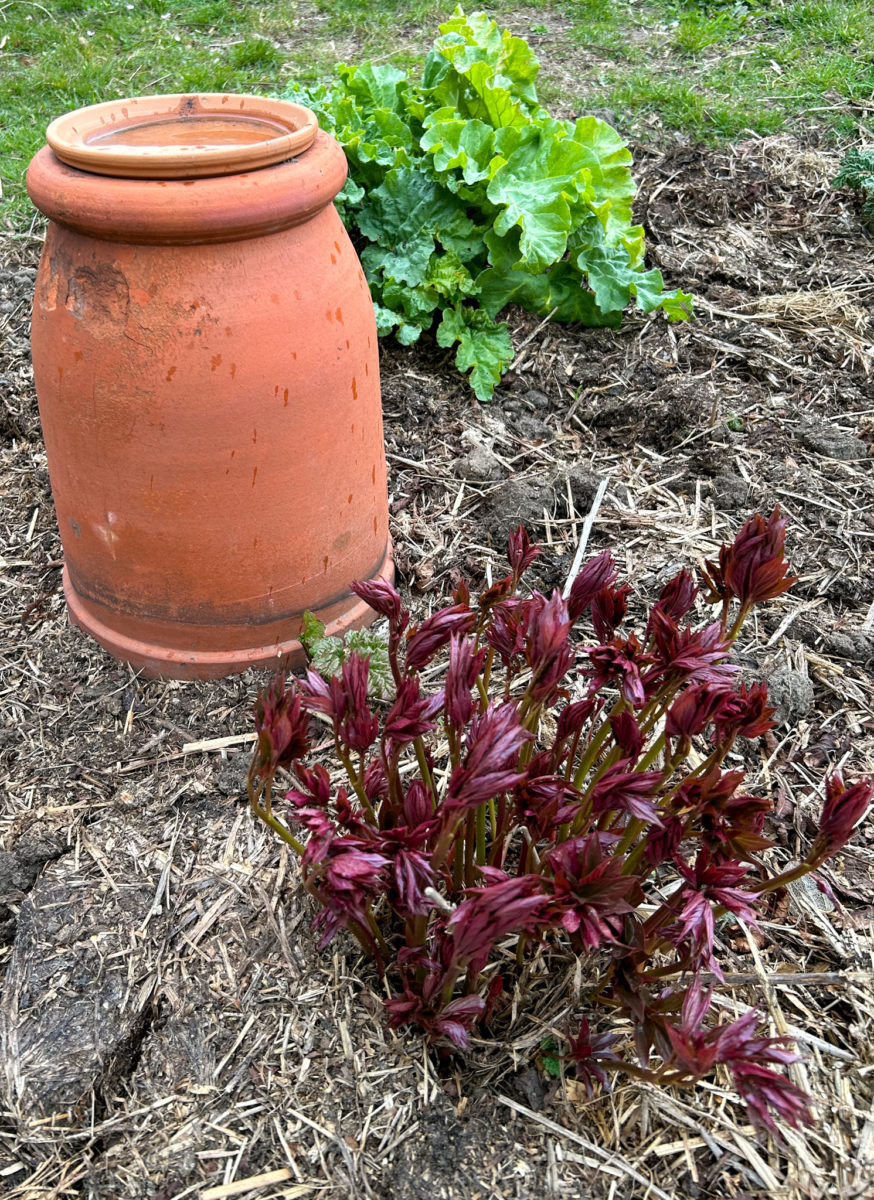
point(484, 348)
point(536, 188)
point(405, 215)
point(559, 291)
point(327, 654)
point(615, 282)
point(456, 143)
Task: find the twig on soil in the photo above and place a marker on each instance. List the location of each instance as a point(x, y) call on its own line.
point(584, 537)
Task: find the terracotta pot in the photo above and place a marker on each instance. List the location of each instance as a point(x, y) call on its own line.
point(206, 365)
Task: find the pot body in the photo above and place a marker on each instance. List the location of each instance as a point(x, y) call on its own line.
point(209, 394)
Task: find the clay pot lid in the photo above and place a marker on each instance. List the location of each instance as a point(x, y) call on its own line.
point(182, 136)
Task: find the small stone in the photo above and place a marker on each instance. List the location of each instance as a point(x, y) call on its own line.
point(479, 466)
point(537, 398)
point(831, 443)
point(231, 776)
point(584, 486)
point(791, 693)
point(516, 502)
point(531, 428)
point(729, 492)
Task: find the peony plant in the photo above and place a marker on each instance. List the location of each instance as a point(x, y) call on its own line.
point(523, 784)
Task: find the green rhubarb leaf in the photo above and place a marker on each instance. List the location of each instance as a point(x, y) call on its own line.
point(484, 348)
point(375, 86)
point(558, 292)
point(536, 189)
point(452, 143)
point(404, 216)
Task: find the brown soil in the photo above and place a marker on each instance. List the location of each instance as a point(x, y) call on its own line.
point(167, 1024)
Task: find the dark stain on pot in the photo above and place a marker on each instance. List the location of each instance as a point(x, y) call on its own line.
point(254, 436)
point(285, 398)
point(373, 474)
point(334, 258)
point(339, 315)
point(326, 562)
point(233, 370)
point(170, 374)
point(354, 387)
point(228, 331)
point(216, 361)
point(337, 248)
point(233, 452)
point(60, 374)
point(77, 356)
point(76, 527)
point(349, 501)
point(254, 476)
point(101, 296)
point(341, 542)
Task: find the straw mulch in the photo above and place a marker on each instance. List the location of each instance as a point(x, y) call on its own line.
point(167, 1026)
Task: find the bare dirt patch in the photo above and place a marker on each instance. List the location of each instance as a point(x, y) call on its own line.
point(167, 1024)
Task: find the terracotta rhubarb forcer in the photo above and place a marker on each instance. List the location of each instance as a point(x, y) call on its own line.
point(205, 355)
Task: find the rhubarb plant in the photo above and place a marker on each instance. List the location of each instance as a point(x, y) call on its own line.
point(466, 195)
point(542, 778)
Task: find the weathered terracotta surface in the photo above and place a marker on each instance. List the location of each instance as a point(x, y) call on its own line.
point(206, 365)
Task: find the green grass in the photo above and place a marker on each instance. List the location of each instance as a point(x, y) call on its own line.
point(710, 70)
point(719, 70)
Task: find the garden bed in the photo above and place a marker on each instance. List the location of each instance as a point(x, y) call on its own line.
point(168, 1023)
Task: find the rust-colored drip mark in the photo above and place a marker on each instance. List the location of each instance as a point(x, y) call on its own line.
point(60, 374)
point(326, 562)
point(254, 543)
point(348, 343)
point(170, 374)
point(254, 476)
point(367, 368)
point(337, 247)
point(339, 315)
point(285, 399)
point(276, 390)
point(334, 259)
point(254, 436)
point(151, 482)
point(349, 501)
point(228, 331)
point(294, 354)
point(233, 370)
point(329, 314)
point(354, 388)
point(233, 452)
point(374, 524)
point(77, 355)
point(353, 426)
point(373, 474)
point(216, 361)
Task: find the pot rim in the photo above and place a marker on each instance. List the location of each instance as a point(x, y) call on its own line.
point(211, 209)
point(182, 135)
